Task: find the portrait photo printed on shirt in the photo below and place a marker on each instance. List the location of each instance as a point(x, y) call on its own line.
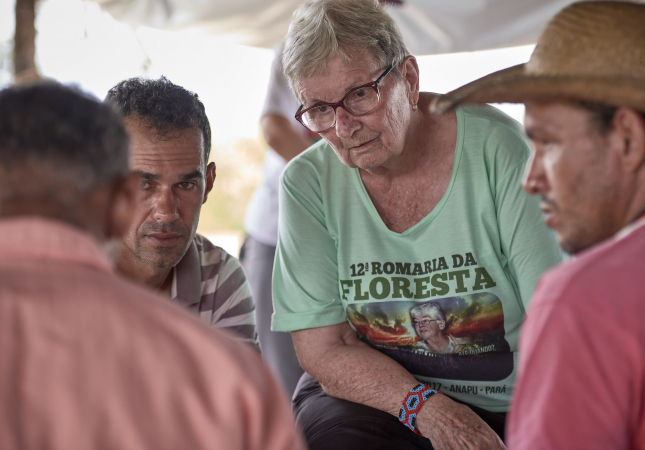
point(414, 318)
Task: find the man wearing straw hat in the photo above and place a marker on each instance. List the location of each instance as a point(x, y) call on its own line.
point(582, 367)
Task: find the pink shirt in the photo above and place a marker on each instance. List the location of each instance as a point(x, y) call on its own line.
point(582, 372)
point(89, 360)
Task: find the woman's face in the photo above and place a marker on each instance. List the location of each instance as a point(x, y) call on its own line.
point(367, 141)
point(428, 326)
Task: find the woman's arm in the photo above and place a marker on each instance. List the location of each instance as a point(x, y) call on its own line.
point(348, 368)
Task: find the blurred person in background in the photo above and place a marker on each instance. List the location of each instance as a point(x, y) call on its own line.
point(170, 143)
point(90, 360)
point(396, 207)
point(286, 139)
point(582, 371)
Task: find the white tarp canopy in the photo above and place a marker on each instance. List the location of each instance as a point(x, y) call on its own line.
point(428, 26)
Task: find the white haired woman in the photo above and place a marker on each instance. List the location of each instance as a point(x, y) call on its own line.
point(396, 206)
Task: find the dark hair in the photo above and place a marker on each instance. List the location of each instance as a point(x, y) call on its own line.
point(66, 131)
point(161, 105)
point(601, 116)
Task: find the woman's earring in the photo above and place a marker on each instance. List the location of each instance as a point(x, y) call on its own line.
point(414, 107)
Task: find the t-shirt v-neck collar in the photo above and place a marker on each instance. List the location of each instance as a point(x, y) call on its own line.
point(367, 201)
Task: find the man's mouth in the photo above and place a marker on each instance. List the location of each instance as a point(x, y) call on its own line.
point(548, 210)
point(164, 239)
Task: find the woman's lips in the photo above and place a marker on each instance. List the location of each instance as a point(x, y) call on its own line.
point(363, 146)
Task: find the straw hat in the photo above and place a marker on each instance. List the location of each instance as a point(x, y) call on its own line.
point(590, 51)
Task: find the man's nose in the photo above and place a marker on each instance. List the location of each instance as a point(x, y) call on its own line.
point(166, 206)
point(346, 124)
point(534, 180)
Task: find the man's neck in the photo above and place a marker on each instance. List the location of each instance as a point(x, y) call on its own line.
point(634, 205)
point(637, 212)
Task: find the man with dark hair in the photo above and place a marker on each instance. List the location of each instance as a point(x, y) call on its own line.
point(89, 360)
point(582, 349)
point(171, 141)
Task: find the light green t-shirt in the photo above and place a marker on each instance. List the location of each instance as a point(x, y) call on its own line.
point(473, 261)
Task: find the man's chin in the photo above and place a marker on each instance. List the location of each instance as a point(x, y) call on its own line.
point(581, 242)
point(163, 257)
point(161, 263)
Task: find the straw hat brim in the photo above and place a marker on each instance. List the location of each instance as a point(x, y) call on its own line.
point(515, 85)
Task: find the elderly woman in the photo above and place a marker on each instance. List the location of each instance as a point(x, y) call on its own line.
point(394, 207)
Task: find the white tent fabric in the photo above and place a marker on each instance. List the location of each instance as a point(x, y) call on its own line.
point(428, 26)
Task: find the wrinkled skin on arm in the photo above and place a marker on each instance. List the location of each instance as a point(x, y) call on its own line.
point(346, 368)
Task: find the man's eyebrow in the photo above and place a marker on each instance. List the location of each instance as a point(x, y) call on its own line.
point(192, 175)
point(147, 175)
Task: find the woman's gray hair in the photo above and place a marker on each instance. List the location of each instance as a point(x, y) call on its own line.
point(321, 29)
point(428, 308)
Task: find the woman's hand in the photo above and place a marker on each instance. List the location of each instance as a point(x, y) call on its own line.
point(452, 426)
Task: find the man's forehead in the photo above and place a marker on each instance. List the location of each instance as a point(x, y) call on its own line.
point(174, 147)
point(548, 109)
point(554, 117)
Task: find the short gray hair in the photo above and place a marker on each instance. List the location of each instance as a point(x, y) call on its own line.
point(428, 308)
point(325, 28)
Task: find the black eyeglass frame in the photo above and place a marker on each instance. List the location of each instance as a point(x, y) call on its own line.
point(373, 85)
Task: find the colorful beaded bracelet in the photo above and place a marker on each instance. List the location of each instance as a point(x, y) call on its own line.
point(412, 404)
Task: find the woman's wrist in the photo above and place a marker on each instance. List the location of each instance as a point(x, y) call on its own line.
point(412, 404)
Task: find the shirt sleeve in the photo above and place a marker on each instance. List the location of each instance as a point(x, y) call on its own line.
point(234, 310)
point(305, 275)
point(529, 246)
point(576, 384)
point(231, 399)
point(264, 418)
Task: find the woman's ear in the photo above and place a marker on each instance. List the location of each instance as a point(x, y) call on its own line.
point(410, 75)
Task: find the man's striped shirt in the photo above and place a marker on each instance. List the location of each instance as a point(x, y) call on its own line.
point(213, 284)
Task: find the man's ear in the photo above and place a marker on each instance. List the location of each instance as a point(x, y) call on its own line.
point(629, 136)
point(122, 205)
point(210, 180)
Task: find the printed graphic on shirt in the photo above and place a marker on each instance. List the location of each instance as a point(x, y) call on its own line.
point(414, 280)
point(460, 337)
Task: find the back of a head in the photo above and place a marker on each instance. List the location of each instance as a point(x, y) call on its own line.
point(57, 145)
point(321, 29)
point(162, 106)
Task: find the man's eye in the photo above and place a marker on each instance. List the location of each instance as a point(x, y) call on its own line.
point(145, 185)
point(187, 185)
point(541, 143)
point(322, 109)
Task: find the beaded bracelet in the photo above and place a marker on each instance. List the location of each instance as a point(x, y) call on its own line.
point(412, 404)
